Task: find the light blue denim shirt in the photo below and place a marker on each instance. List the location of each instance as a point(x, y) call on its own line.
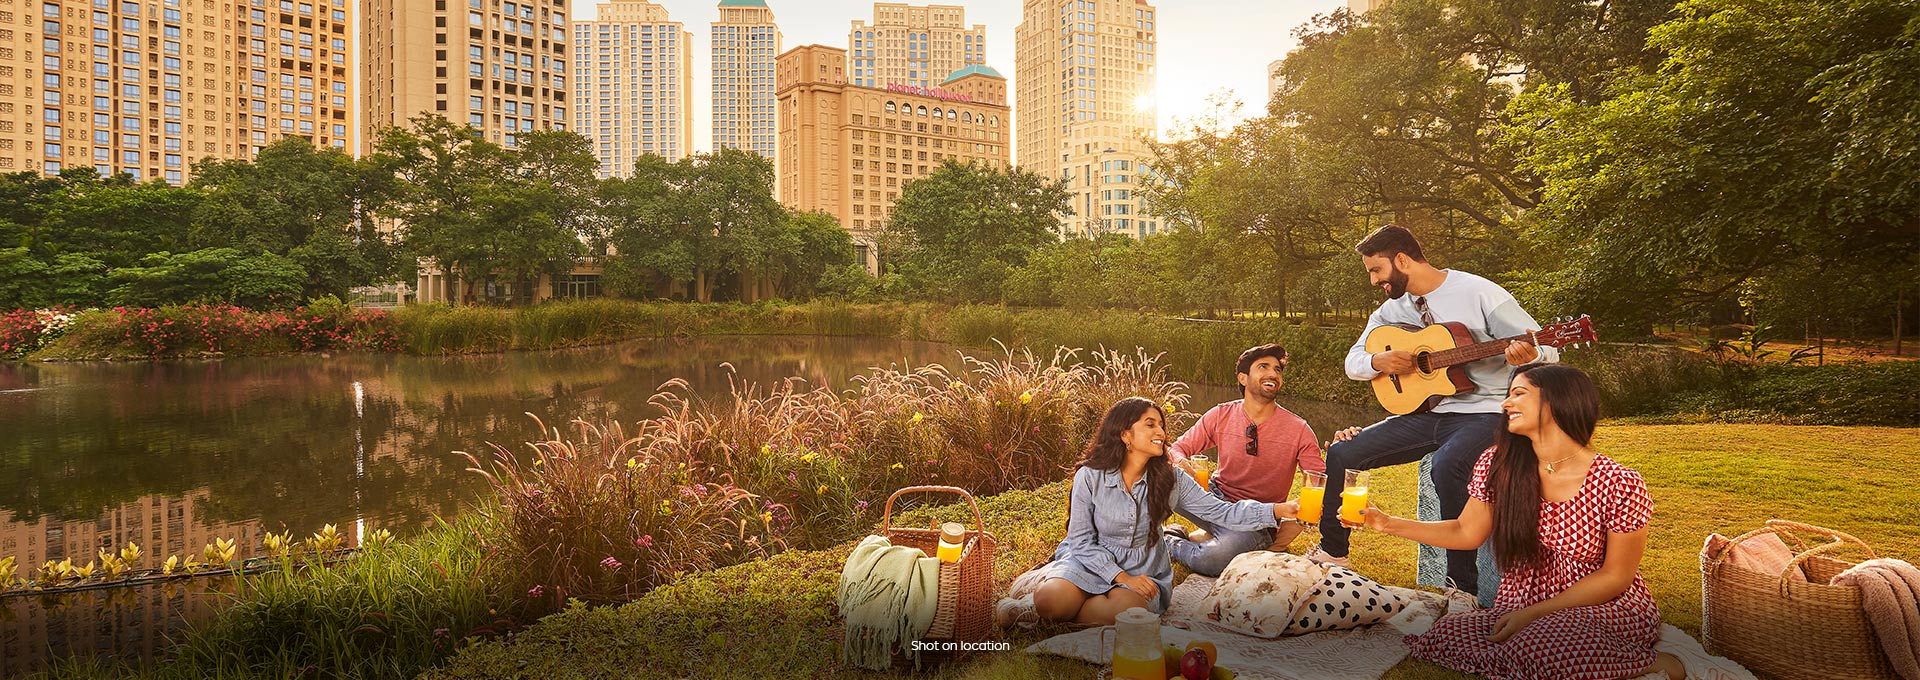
point(1110, 529)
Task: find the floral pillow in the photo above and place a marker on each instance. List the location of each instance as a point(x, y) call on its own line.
point(1343, 600)
point(1258, 592)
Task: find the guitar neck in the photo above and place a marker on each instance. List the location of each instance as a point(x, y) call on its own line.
point(1473, 352)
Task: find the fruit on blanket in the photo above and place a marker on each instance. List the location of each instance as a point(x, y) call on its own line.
point(1221, 673)
point(1171, 656)
point(1196, 665)
point(1213, 654)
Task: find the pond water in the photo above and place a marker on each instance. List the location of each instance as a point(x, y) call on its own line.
point(171, 455)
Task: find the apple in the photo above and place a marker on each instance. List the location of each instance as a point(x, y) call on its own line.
point(1196, 665)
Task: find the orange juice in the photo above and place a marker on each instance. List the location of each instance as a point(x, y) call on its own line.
point(953, 538)
point(1200, 468)
point(1125, 666)
point(1352, 501)
point(1310, 499)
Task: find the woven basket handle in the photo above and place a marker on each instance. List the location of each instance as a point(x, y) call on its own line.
point(979, 521)
point(1840, 540)
point(1789, 529)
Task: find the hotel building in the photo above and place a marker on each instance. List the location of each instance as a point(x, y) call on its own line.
point(847, 150)
point(917, 46)
point(745, 44)
point(1086, 78)
point(632, 84)
point(497, 65)
point(147, 88)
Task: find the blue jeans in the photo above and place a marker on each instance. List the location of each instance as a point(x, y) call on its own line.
point(1455, 440)
point(1210, 557)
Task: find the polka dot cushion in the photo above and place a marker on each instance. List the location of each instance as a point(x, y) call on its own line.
point(1343, 600)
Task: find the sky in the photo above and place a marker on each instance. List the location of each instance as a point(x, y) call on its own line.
point(1205, 45)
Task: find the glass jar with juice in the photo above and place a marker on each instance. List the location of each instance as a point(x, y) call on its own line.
point(1136, 646)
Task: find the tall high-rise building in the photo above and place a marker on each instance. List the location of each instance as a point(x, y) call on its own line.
point(1363, 6)
point(1085, 101)
point(632, 84)
point(849, 150)
point(148, 88)
point(918, 46)
point(497, 65)
point(745, 44)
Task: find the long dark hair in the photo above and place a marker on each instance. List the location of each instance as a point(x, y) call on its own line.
point(1109, 453)
point(1514, 482)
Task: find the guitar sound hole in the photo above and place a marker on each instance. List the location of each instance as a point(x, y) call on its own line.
point(1420, 362)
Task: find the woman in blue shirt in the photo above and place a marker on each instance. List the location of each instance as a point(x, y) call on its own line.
point(1114, 557)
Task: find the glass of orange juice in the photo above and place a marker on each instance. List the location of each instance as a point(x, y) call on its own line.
point(1201, 468)
point(1313, 492)
point(1353, 500)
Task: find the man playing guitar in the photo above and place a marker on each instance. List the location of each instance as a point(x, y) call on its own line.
point(1459, 427)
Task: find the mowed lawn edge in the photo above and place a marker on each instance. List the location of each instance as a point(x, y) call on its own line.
point(775, 618)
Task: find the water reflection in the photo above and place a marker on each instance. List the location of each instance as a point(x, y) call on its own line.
point(173, 454)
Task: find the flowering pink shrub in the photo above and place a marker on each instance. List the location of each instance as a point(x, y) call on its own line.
point(228, 329)
point(25, 330)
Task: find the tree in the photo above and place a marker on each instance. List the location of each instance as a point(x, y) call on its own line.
point(1262, 196)
point(212, 274)
point(962, 231)
point(477, 209)
point(1769, 154)
point(806, 246)
point(313, 205)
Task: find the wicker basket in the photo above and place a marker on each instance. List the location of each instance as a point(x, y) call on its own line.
point(965, 608)
point(1788, 629)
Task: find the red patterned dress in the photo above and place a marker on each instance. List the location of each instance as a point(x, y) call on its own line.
point(1600, 642)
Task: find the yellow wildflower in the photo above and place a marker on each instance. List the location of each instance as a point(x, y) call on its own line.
point(766, 517)
point(633, 463)
point(1026, 397)
point(916, 417)
point(666, 507)
point(823, 489)
point(809, 457)
point(896, 466)
point(537, 462)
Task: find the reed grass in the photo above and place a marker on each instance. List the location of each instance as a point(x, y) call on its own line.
point(601, 516)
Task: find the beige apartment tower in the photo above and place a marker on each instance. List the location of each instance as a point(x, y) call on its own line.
point(497, 65)
point(745, 43)
point(148, 88)
point(917, 46)
point(1086, 79)
point(632, 84)
point(848, 150)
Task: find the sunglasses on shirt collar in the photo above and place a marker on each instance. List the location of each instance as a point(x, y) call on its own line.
point(1253, 440)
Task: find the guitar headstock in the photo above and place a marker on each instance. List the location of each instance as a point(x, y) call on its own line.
point(1567, 331)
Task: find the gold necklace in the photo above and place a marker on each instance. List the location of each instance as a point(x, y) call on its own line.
point(1568, 457)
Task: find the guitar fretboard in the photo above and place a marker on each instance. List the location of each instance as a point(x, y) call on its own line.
point(1473, 352)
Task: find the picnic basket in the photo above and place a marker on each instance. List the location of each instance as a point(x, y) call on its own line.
point(1786, 628)
point(964, 611)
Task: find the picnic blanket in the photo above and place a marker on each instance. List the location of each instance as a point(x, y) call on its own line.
point(1358, 654)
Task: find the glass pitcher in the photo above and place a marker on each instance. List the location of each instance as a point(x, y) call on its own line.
point(1136, 646)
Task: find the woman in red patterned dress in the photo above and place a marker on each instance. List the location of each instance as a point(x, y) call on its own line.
point(1569, 527)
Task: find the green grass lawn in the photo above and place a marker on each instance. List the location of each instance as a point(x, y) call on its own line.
point(775, 618)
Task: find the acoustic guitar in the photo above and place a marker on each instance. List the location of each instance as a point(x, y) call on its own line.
point(1441, 352)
